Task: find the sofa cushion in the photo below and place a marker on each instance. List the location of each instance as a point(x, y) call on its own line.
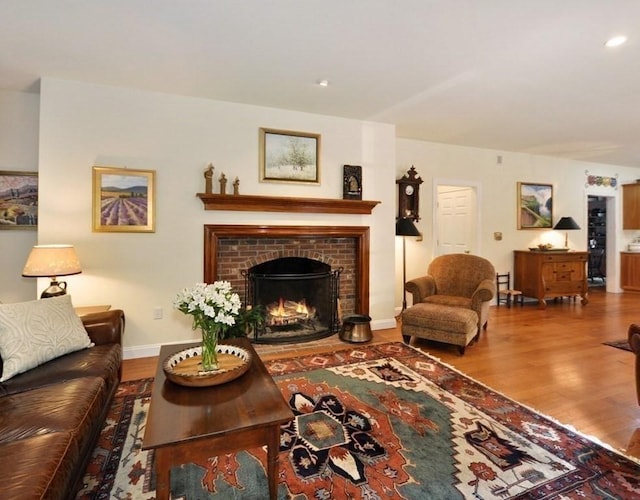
point(38, 467)
point(100, 361)
point(37, 331)
point(72, 406)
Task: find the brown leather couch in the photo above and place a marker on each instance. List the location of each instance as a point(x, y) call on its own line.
point(51, 415)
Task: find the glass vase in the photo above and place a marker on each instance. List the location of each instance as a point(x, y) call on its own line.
point(210, 333)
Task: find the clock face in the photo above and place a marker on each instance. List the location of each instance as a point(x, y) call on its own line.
point(408, 190)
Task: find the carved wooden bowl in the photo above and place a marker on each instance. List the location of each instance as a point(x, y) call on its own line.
point(185, 367)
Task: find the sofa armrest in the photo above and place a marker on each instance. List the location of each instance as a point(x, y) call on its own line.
point(105, 327)
point(420, 288)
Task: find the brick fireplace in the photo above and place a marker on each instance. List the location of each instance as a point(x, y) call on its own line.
point(230, 250)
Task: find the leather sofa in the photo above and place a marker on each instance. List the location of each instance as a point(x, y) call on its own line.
point(51, 416)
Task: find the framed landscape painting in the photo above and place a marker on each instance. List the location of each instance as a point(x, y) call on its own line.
point(287, 156)
point(18, 200)
point(123, 200)
point(535, 205)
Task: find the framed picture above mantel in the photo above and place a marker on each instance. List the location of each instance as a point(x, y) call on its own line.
point(288, 156)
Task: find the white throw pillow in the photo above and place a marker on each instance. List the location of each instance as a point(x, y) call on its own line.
point(32, 333)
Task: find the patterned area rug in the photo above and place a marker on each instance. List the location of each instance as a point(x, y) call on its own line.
point(381, 421)
point(619, 344)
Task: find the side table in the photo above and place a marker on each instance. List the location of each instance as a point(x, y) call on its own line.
point(84, 310)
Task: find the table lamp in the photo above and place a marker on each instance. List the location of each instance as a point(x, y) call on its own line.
point(52, 261)
point(405, 227)
point(566, 223)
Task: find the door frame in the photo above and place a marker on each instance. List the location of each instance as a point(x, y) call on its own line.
point(613, 229)
point(477, 187)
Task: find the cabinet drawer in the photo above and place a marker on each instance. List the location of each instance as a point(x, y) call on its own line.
point(565, 288)
point(554, 257)
point(564, 275)
point(565, 257)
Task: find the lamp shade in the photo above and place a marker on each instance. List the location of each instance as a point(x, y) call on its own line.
point(406, 227)
point(566, 223)
point(51, 261)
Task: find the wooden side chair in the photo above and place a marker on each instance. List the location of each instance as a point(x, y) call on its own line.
point(507, 294)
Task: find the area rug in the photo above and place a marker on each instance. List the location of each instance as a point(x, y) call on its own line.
point(374, 422)
point(619, 344)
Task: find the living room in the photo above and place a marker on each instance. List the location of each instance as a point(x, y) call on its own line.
point(65, 123)
point(62, 127)
point(178, 136)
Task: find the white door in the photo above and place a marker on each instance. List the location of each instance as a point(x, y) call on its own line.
point(456, 220)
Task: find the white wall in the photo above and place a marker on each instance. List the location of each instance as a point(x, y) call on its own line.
point(18, 152)
point(497, 202)
point(84, 125)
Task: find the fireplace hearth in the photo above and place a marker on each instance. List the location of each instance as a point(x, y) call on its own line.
point(299, 296)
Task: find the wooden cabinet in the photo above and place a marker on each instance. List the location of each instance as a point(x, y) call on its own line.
point(551, 274)
point(631, 206)
point(630, 271)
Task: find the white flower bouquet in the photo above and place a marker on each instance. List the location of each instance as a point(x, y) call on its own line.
point(215, 308)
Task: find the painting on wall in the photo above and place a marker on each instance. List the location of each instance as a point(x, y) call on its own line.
point(287, 156)
point(535, 205)
point(352, 182)
point(123, 200)
point(18, 200)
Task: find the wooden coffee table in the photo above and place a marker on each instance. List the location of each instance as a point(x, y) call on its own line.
point(192, 424)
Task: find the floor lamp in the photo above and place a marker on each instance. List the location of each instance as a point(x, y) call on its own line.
point(405, 227)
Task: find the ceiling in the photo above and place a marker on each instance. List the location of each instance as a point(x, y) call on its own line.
point(528, 76)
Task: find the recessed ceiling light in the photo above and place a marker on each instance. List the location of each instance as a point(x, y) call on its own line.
point(616, 41)
point(323, 83)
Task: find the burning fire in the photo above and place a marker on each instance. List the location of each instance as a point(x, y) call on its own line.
point(286, 312)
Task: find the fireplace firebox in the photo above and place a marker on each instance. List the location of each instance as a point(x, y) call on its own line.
point(299, 297)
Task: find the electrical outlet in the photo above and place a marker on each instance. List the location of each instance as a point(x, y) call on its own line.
point(157, 313)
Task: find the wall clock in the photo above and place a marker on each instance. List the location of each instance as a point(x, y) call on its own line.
point(409, 195)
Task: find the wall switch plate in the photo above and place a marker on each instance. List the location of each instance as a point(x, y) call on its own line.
point(157, 313)
point(497, 236)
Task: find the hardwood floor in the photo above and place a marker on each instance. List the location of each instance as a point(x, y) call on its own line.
point(551, 360)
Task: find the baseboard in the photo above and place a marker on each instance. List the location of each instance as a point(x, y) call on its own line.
point(145, 351)
point(383, 324)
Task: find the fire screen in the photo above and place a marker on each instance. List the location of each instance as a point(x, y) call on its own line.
point(299, 296)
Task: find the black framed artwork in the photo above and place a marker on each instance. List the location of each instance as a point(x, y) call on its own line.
point(351, 182)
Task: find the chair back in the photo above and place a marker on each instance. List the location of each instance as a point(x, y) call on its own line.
point(459, 274)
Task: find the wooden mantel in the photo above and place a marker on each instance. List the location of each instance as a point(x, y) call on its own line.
point(249, 203)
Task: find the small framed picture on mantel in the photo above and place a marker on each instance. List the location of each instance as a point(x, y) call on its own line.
point(351, 182)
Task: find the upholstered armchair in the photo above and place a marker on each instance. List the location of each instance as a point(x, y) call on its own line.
point(458, 280)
